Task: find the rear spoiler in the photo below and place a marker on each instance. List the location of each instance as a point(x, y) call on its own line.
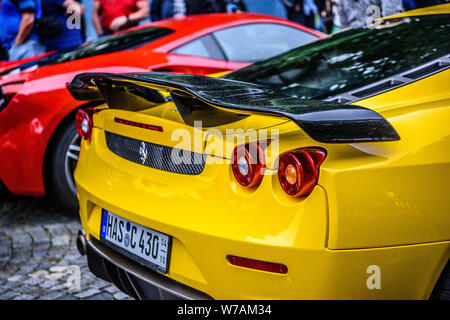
point(200, 98)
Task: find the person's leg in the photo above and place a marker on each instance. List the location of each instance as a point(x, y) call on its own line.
point(294, 16)
point(3, 54)
point(25, 50)
point(309, 21)
point(167, 9)
point(16, 52)
point(335, 28)
point(297, 17)
point(36, 47)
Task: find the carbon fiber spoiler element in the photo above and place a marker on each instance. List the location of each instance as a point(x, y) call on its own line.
point(326, 122)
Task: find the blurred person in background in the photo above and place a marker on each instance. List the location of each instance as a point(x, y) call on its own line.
point(89, 32)
point(409, 5)
point(17, 33)
point(319, 23)
point(60, 36)
point(336, 17)
point(232, 6)
point(164, 9)
point(294, 10)
point(3, 54)
point(426, 3)
point(202, 6)
point(113, 15)
point(354, 13)
point(214, 6)
point(270, 7)
point(327, 15)
point(302, 11)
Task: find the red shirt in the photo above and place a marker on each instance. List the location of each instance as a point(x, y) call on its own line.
point(111, 9)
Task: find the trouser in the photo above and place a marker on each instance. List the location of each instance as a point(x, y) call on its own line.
point(301, 18)
point(27, 49)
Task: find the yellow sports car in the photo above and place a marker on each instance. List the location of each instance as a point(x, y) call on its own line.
point(322, 173)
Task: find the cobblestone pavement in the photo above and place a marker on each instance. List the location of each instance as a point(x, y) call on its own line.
point(38, 254)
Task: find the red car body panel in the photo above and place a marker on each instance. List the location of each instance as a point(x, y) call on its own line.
point(35, 113)
point(6, 64)
point(25, 136)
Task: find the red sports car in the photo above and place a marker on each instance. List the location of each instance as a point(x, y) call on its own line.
point(38, 141)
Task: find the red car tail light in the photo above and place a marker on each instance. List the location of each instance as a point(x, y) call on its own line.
point(248, 164)
point(258, 265)
point(8, 91)
point(298, 171)
point(84, 123)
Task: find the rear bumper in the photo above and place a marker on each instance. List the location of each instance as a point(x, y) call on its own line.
point(406, 273)
point(134, 279)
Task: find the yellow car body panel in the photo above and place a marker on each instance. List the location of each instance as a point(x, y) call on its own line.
point(382, 204)
point(327, 240)
point(437, 9)
point(399, 209)
point(204, 233)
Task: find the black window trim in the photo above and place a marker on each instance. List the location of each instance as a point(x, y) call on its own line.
point(211, 45)
point(213, 36)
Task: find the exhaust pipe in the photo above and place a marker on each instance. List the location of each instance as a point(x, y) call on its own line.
point(81, 242)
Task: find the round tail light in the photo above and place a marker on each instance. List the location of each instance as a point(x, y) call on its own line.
point(248, 164)
point(84, 123)
point(298, 171)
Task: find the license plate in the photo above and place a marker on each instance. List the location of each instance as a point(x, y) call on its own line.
point(141, 244)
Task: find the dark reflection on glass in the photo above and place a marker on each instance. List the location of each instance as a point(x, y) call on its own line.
point(353, 58)
point(108, 44)
point(125, 41)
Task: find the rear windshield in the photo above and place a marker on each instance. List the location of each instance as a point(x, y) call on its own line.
point(353, 58)
point(108, 44)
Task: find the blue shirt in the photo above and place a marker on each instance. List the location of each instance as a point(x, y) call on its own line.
point(310, 8)
point(10, 17)
point(69, 37)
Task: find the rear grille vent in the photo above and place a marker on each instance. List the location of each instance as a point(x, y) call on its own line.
point(428, 69)
point(377, 88)
point(155, 156)
point(393, 82)
point(340, 100)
